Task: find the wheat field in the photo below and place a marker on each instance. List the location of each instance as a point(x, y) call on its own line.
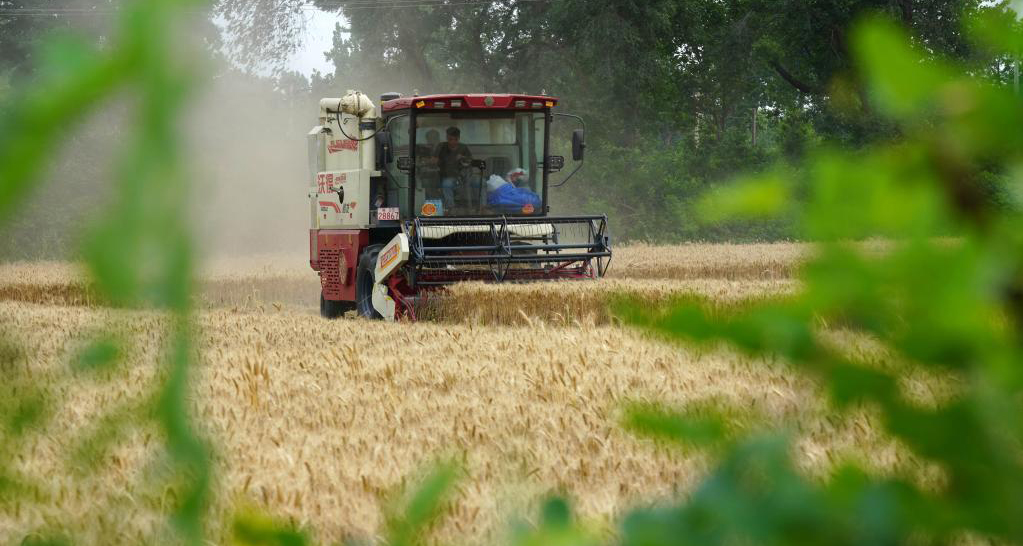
point(321, 422)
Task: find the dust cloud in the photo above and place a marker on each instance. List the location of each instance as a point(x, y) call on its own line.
point(248, 153)
point(245, 155)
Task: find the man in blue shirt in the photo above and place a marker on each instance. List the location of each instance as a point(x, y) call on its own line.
point(452, 157)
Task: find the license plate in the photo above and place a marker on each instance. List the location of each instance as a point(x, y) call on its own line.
point(387, 213)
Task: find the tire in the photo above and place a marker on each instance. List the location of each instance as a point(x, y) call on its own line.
point(334, 309)
point(364, 281)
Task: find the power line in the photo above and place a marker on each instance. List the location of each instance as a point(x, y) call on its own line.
point(351, 5)
point(335, 5)
point(392, 3)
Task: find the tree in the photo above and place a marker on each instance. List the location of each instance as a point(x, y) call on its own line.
point(24, 24)
point(670, 87)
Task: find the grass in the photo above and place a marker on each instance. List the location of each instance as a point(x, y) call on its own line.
point(321, 422)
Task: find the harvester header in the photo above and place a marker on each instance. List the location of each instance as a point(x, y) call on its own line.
point(430, 190)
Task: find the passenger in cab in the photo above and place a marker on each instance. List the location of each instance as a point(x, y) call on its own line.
point(426, 163)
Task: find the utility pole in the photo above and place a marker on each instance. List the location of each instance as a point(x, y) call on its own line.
point(1015, 75)
point(755, 108)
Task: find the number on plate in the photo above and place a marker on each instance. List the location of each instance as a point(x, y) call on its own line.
point(387, 213)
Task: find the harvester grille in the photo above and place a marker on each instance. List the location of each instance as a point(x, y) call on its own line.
point(503, 249)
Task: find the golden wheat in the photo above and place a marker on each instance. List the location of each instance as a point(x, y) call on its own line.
point(582, 303)
point(261, 281)
point(318, 421)
point(708, 261)
point(631, 261)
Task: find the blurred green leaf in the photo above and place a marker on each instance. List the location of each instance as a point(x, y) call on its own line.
point(32, 126)
point(104, 432)
point(938, 294)
point(253, 529)
point(684, 429)
point(706, 423)
point(140, 252)
point(852, 384)
point(777, 326)
point(998, 29)
point(26, 410)
point(185, 447)
point(556, 513)
point(99, 355)
point(749, 199)
point(887, 194)
point(557, 528)
point(905, 84)
point(408, 526)
point(46, 541)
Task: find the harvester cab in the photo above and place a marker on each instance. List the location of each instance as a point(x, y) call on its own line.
point(431, 190)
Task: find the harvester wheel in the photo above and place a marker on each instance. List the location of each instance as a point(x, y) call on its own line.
point(364, 281)
point(334, 309)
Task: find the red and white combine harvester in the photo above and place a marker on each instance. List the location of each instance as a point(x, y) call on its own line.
point(433, 190)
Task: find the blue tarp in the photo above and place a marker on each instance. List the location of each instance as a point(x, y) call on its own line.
point(509, 196)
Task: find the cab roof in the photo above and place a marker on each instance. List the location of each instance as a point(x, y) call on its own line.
point(471, 101)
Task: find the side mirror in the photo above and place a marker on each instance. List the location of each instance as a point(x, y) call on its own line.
point(405, 164)
point(385, 154)
point(555, 163)
point(578, 144)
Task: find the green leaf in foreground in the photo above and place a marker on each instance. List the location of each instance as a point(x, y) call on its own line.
point(250, 528)
point(706, 424)
point(938, 295)
point(99, 355)
point(557, 527)
point(140, 253)
point(409, 525)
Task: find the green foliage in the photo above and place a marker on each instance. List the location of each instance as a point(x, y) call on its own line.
point(942, 294)
point(253, 529)
point(99, 355)
point(46, 541)
point(703, 424)
point(139, 254)
point(618, 181)
point(557, 527)
point(408, 522)
point(670, 89)
point(408, 525)
point(673, 91)
point(945, 293)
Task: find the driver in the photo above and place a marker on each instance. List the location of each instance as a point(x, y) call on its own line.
point(451, 158)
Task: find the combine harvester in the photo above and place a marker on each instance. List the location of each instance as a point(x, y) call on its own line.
point(433, 190)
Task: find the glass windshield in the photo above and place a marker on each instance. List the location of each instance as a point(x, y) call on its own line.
point(479, 163)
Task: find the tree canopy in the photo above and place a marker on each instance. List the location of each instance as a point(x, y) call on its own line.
point(680, 96)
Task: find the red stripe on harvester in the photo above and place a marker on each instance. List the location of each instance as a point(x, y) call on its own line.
point(330, 204)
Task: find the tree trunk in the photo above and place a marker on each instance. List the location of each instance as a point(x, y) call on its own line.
point(414, 50)
point(907, 12)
